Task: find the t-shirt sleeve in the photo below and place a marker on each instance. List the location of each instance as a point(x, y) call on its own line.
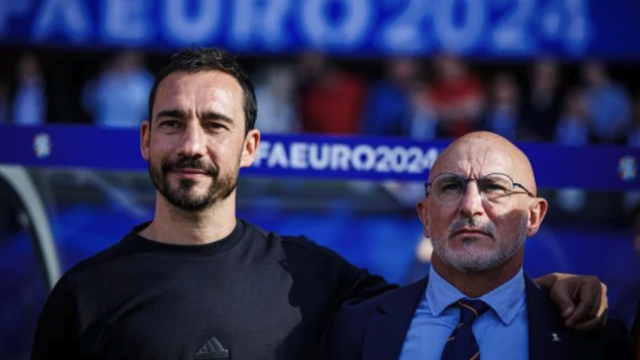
point(343, 280)
point(56, 334)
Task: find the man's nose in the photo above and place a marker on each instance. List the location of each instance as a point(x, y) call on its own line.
point(471, 202)
point(193, 142)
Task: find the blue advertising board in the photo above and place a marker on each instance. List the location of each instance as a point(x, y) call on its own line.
point(480, 28)
point(319, 156)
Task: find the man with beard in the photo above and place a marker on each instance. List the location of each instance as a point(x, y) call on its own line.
point(197, 283)
point(476, 302)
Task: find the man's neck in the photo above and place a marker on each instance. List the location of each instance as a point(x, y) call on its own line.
point(476, 284)
point(172, 225)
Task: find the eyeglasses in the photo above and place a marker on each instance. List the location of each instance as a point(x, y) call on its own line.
point(449, 188)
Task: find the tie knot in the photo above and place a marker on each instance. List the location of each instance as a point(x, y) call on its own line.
point(470, 310)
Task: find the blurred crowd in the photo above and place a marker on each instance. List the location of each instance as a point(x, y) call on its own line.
point(438, 97)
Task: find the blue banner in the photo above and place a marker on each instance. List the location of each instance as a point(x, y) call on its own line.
point(481, 28)
point(318, 156)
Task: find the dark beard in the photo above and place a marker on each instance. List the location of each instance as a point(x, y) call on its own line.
point(181, 197)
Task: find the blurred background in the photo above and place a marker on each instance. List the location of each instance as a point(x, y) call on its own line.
point(562, 72)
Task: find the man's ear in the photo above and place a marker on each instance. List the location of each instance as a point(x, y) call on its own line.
point(250, 148)
point(537, 211)
point(145, 139)
point(422, 207)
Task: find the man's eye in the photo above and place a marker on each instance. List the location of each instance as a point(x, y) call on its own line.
point(450, 187)
point(214, 125)
point(492, 187)
point(172, 124)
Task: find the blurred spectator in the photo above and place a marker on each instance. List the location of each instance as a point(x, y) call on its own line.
point(30, 102)
point(633, 140)
point(502, 116)
point(608, 104)
point(388, 108)
point(274, 93)
point(542, 103)
point(119, 96)
point(573, 130)
point(424, 120)
point(4, 103)
point(456, 96)
point(573, 126)
point(331, 100)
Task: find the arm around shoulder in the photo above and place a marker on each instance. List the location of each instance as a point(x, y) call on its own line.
point(343, 280)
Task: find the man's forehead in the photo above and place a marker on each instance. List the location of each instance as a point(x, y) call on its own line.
point(475, 161)
point(482, 153)
point(213, 87)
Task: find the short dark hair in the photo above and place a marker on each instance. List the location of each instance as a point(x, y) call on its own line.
point(196, 60)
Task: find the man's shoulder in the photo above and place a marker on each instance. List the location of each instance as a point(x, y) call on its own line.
point(352, 322)
point(297, 246)
point(274, 239)
point(96, 261)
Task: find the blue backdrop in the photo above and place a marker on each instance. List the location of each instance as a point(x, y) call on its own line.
point(482, 28)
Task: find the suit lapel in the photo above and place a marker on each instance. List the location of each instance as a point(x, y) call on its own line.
point(385, 333)
point(548, 339)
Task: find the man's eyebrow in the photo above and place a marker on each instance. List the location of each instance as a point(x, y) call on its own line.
point(214, 115)
point(182, 115)
point(172, 113)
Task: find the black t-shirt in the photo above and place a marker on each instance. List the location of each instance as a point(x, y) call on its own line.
point(252, 295)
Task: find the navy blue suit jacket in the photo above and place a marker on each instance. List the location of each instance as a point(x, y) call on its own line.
point(375, 329)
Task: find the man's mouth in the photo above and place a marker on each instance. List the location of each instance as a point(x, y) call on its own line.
point(189, 172)
point(469, 231)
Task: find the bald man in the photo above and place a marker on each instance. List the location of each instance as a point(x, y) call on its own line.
point(476, 302)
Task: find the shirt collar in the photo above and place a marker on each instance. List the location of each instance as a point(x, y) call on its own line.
point(505, 300)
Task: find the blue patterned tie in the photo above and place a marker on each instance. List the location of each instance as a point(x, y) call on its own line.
point(462, 344)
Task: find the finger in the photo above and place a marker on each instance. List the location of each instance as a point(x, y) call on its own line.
point(586, 301)
point(593, 312)
point(590, 303)
point(564, 301)
point(592, 319)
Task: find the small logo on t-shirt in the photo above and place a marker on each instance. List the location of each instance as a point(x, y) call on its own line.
point(212, 350)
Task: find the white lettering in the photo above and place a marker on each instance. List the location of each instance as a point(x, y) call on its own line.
point(399, 159)
point(188, 30)
point(299, 155)
point(125, 21)
point(260, 20)
point(369, 157)
point(318, 160)
point(463, 37)
point(340, 155)
point(69, 16)
point(429, 158)
point(278, 156)
point(322, 31)
point(382, 153)
point(415, 160)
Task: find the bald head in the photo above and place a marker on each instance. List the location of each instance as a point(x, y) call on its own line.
point(481, 153)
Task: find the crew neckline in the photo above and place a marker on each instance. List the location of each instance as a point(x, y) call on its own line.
point(140, 243)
